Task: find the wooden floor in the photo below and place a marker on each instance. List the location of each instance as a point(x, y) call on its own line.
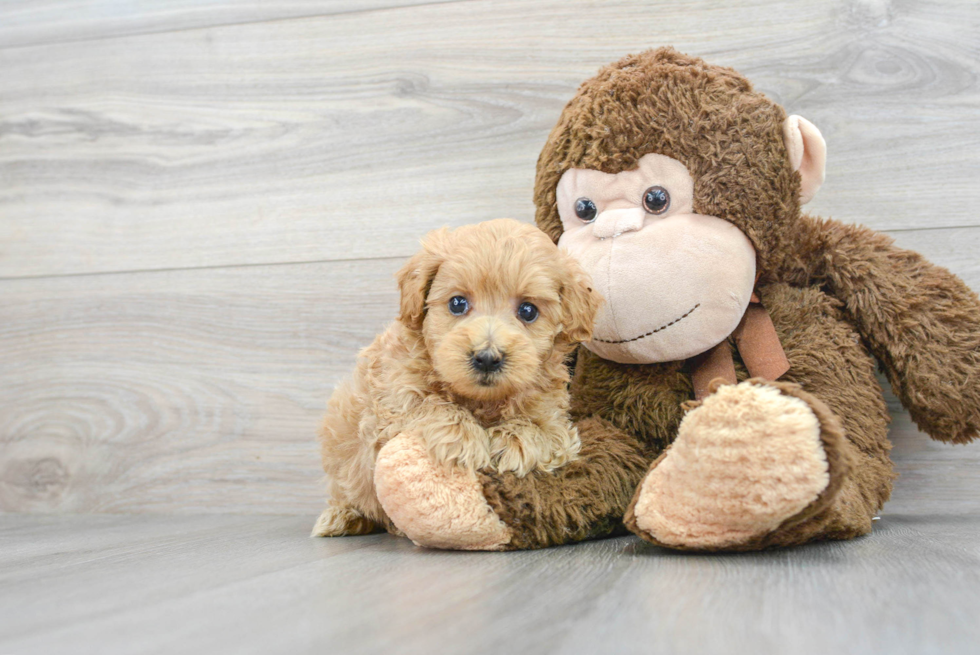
point(149, 583)
point(236, 584)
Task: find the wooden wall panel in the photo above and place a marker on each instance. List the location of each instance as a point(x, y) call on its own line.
point(58, 21)
point(178, 390)
point(201, 390)
point(347, 136)
point(201, 209)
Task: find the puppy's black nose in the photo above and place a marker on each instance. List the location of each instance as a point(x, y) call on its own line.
point(487, 361)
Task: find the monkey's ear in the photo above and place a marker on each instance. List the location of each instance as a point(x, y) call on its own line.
point(579, 302)
point(415, 278)
point(807, 154)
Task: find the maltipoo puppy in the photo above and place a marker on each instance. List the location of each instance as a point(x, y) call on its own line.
point(474, 366)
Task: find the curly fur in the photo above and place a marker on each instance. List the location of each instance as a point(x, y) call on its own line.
point(418, 377)
point(840, 297)
point(708, 117)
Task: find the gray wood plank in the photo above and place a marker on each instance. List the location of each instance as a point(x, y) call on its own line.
point(201, 390)
point(347, 136)
point(56, 21)
point(258, 585)
point(178, 391)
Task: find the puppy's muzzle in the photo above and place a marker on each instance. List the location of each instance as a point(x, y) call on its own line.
point(487, 361)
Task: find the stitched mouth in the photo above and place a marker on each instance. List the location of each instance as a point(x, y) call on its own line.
point(651, 332)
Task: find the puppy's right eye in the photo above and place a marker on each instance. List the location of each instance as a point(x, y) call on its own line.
point(458, 305)
point(585, 209)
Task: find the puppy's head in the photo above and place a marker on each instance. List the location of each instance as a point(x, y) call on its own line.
point(497, 305)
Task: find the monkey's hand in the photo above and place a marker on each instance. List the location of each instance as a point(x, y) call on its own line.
point(434, 505)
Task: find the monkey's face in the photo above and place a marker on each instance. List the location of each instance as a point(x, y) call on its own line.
point(671, 180)
point(676, 282)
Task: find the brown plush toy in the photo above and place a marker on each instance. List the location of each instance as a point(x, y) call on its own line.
point(679, 188)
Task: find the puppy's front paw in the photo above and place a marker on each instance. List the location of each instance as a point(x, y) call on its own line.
point(455, 440)
point(435, 506)
point(508, 450)
point(521, 446)
point(746, 460)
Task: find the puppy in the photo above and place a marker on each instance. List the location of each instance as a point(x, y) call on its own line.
point(474, 366)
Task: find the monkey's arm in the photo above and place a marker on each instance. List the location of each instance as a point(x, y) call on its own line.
point(920, 321)
point(491, 510)
point(460, 509)
point(583, 499)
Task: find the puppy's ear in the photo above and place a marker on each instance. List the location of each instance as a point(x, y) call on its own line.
point(415, 278)
point(579, 301)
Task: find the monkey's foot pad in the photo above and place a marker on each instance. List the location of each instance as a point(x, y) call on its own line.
point(748, 458)
point(435, 506)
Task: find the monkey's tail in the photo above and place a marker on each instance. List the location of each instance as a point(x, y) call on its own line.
point(920, 321)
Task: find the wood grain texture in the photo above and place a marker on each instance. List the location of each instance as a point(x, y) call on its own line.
point(107, 585)
point(178, 391)
point(201, 390)
point(267, 170)
point(57, 21)
point(347, 136)
point(235, 153)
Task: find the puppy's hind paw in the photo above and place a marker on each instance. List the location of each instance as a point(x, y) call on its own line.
point(342, 521)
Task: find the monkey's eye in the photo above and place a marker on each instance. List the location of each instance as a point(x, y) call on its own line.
point(458, 305)
point(527, 312)
point(656, 200)
point(585, 209)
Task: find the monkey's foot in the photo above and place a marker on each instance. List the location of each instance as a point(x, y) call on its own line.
point(342, 521)
point(435, 506)
point(752, 458)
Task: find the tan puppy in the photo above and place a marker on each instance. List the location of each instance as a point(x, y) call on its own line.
point(474, 366)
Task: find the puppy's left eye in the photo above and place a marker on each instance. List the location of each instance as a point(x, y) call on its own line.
point(458, 305)
point(527, 312)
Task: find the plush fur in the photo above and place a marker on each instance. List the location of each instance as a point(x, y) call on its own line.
point(420, 377)
point(644, 407)
point(778, 434)
point(422, 497)
point(842, 299)
point(707, 117)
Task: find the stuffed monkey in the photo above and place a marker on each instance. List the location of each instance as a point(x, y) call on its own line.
point(728, 399)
